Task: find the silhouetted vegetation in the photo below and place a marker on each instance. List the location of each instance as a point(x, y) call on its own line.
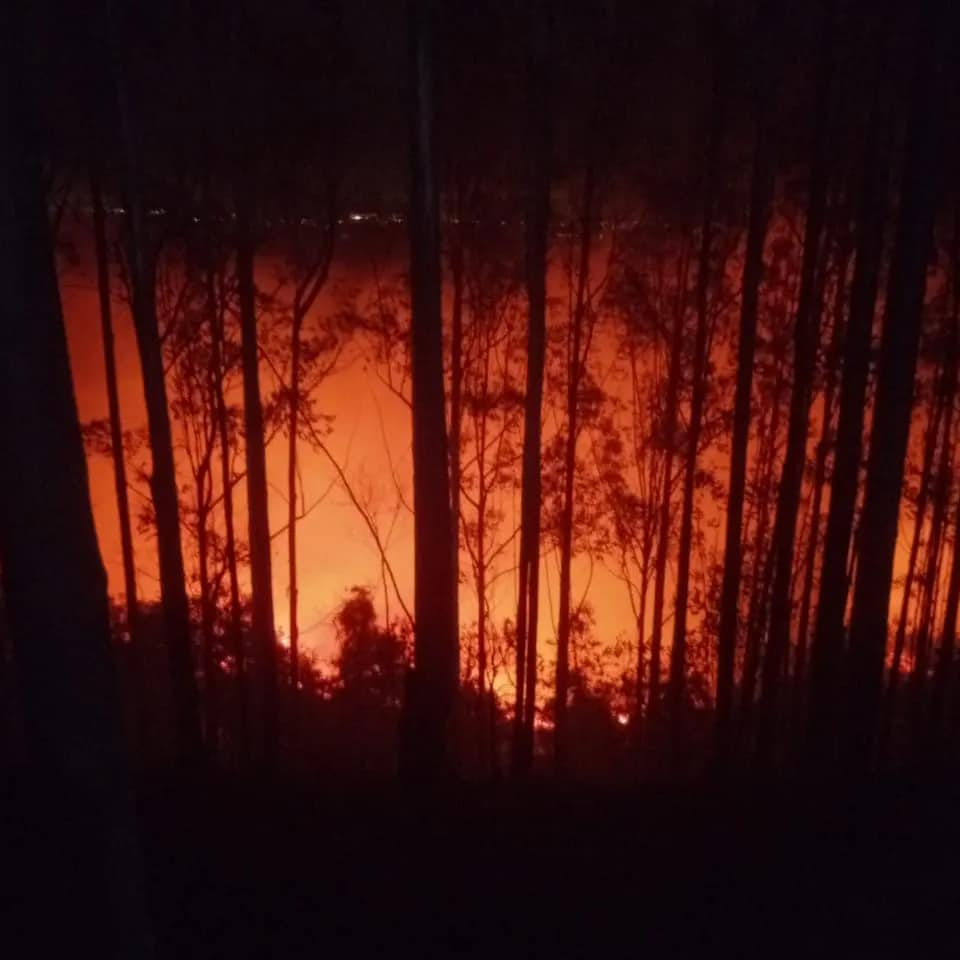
point(659, 304)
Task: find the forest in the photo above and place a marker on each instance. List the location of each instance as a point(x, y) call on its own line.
point(551, 406)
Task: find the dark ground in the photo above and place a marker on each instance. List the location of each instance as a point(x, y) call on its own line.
point(311, 870)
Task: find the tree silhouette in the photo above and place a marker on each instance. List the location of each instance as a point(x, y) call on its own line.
point(537, 31)
point(433, 681)
point(891, 420)
point(805, 342)
point(54, 584)
point(828, 641)
point(113, 406)
point(761, 186)
point(142, 257)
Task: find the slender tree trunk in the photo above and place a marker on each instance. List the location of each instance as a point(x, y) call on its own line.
point(944, 674)
point(806, 339)
point(832, 362)
point(675, 689)
point(891, 422)
point(480, 427)
point(826, 651)
point(54, 583)
point(432, 695)
point(944, 667)
point(762, 562)
point(163, 478)
point(575, 367)
point(457, 257)
point(761, 187)
point(218, 341)
point(663, 538)
point(116, 446)
point(640, 682)
point(293, 426)
point(210, 666)
point(537, 222)
point(931, 438)
point(941, 496)
point(113, 405)
point(481, 630)
point(259, 525)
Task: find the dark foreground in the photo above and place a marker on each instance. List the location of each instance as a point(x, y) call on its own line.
point(309, 870)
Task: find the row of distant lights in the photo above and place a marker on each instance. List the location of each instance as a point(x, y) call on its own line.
point(367, 218)
point(304, 221)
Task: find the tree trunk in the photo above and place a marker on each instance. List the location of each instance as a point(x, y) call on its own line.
point(944, 674)
point(432, 694)
point(826, 651)
point(163, 478)
point(575, 368)
point(891, 421)
point(480, 428)
point(481, 624)
point(210, 666)
point(675, 689)
point(832, 362)
point(761, 186)
point(259, 525)
point(537, 222)
point(663, 537)
point(931, 438)
point(116, 445)
point(54, 583)
point(640, 684)
point(218, 341)
point(943, 669)
point(806, 339)
point(941, 496)
point(457, 257)
point(762, 562)
point(293, 426)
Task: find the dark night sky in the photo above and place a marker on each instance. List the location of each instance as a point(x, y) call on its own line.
point(317, 89)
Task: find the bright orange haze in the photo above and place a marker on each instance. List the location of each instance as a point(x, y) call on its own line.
point(371, 439)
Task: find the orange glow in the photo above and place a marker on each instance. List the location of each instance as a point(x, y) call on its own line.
point(371, 440)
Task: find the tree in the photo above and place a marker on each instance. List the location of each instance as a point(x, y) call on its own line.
point(310, 362)
point(192, 348)
point(669, 429)
point(433, 683)
point(711, 157)
point(827, 646)
point(831, 372)
point(163, 479)
point(925, 496)
point(113, 407)
point(491, 402)
point(772, 378)
point(891, 420)
point(538, 27)
point(54, 583)
point(580, 335)
point(943, 674)
point(806, 340)
point(258, 518)
point(761, 187)
point(223, 360)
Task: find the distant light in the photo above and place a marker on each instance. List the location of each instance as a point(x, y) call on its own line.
point(623, 719)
